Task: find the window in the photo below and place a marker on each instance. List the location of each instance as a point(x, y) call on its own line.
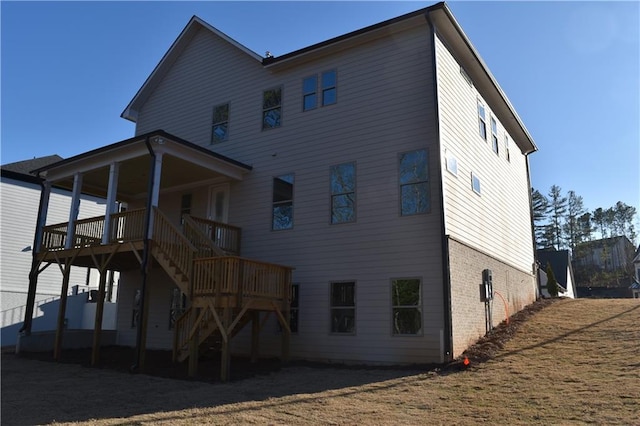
point(343, 193)
point(329, 90)
point(414, 182)
point(309, 93)
point(466, 76)
point(494, 135)
point(506, 147)
point(343, 307)
point(482, 123)
point(271, 108)
point(475, 183)
point(406, 306)
point(282, 202)
point(178, 306)
point(220, 132)
point(451, 163)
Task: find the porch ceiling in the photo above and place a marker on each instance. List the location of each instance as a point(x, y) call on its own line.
point(183, 165)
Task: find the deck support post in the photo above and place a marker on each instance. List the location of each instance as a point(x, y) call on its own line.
point(255, 335)
point(194, 347)
point(43, 207)
point(225, 357)
point(286, 336)
point(97, 328)
point(57, 346)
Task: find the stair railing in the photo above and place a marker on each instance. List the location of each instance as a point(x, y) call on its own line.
point(173, 243)
point(205, 247)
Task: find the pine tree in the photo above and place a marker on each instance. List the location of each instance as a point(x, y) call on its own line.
point(552, 283)
point(557, 210)
point(540, 206)
point(572, 229)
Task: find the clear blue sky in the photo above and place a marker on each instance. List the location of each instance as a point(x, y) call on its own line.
point(571, 70)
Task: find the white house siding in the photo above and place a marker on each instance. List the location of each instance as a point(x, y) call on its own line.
point(384, 108)
point(19, 209)
point(491, 230)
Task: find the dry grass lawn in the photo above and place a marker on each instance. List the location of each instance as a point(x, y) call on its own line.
point(575, 362)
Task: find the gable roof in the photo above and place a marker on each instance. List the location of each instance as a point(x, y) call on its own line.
point(560, 262)
point(437, 16)
point(22, 170)
point(170, 57)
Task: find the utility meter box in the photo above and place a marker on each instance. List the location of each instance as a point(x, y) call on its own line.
point(486, 293)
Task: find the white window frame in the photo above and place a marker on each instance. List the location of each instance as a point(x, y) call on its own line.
point(475, 178)
point(332, 308)
point(418, 307)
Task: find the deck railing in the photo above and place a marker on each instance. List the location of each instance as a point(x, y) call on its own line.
point(225, 236)
point(236, 276)
point(173, 242)
point(127, 226)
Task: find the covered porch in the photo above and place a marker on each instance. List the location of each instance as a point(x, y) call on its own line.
point(200, 255)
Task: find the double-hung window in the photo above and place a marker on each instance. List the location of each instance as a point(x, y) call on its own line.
point(343, 193)
point(343, 307)
point(406, 306)
point(482, 121)
point(414, 182)
point(282, 217)
point(220, 127)
point(329, 88)
point(310, 93)
point(506, 147)
point(271, 108)
point(494, 135)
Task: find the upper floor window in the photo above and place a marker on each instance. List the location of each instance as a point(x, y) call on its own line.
point(343, 193)
point(343, 307)
point(451, 163)
point(271, 108)
point(475, 183)
point(406, 306)
point(282, 202)
point(329, 90)
point(494, 135)
point(482, 121)
point(506, 147)
point(310, 93)
point(220, 131)
point(414, 182)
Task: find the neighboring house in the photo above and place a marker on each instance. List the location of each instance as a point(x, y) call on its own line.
point(608, 254)
point(635, 285)
point(367, 181)
point(560, 261)
point(20, 195)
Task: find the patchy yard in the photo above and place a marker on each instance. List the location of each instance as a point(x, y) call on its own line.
point(572, 362)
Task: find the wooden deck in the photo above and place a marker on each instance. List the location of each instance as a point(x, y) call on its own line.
point(205, 251)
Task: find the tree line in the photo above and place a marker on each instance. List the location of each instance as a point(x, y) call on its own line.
point(562, 222)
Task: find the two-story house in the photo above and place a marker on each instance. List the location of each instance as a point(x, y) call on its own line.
point(346, 199)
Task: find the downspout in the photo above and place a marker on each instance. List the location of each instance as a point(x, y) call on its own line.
point(447, 338)
point(145, 262)
point(33, 273)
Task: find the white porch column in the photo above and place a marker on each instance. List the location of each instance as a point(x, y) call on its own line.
point(114, 170)
point(75, 209)
point(155, 190)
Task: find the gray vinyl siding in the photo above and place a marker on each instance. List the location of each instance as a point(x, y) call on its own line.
point(384, 107)
point(498, 222)
point(160, 288)
point(19, 215)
